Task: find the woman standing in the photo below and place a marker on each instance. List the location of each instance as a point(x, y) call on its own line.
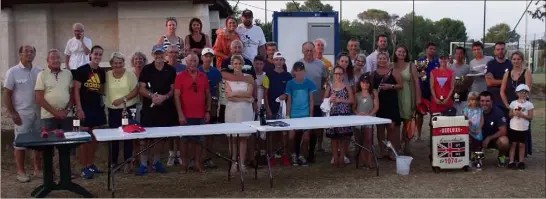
point(360, 66)
point(410, 94)
point(222, 47)
point(121, 95)
point(196, 40)
point(387, 82)
point(341, 96)
point(344, 62)
point(138, 61)
point(238, 108)
point(170, 37)
point(442, 84)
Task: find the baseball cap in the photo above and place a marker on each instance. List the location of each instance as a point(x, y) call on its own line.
point(522, 87)
point(298, 66)
point(157, 48)
point(278, 55)
point(247, 13)
point(207, 51)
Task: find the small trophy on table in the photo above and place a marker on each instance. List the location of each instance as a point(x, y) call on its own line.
point(477, 159)
point(421, 66)
point(458, 84)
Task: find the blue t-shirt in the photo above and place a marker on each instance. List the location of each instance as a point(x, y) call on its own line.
point(474, 115)
point(492, 121)
point(179, 67)
point(276, 87)
point(497, 70)
point(299, 93)
point(425, 85)
point(214, 77)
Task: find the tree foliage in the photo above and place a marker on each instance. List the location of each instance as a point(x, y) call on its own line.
point(540, 11)
point(501, 32)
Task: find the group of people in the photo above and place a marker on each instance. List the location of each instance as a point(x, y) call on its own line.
point(183, 85)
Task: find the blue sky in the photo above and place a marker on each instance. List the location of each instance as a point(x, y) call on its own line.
point(470, 12)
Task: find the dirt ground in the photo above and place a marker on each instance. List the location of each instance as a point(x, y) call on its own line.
point(319, 180)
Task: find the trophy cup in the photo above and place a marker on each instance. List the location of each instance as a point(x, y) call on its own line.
point(421, 66)
point(477, 159)
point(76, 120)
point(458, 84)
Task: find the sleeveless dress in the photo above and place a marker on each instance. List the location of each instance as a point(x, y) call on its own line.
point(511, 85)
point(364, 104)
point(405, 97)
point(442, 85)
point(339, 109)
point(388, 99)
point(237, 112)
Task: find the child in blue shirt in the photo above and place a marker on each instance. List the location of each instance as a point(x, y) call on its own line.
point(299, 104)
point(475, 118)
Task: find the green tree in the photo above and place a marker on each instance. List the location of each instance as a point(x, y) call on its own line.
point(236, 13)
point(375, 17)
point(540, 11)
point(424, 29)
point(447, 31)
point(293, 7)
point(308, 6)
point(267, 28)
point(501, 32)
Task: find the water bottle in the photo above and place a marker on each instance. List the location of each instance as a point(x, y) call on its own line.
point(124, 115)
point(75, 121)
point(263, 120)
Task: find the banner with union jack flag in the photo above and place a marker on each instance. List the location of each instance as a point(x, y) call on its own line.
point(451, 149)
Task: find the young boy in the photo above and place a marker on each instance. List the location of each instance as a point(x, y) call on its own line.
point(521, 114)
point(274, 84)
point(300, 104)
point(259, 62)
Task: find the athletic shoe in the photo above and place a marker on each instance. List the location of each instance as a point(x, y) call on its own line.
point(294, 160)
point(521, 165)
point(302, 161)
point(94, 169)
point(178, 160)
point(512, 165)
point(346, 160)
point(23, 178)
point(278, 155)
point(87, 173)
point(158, 167)
point(141, 170)
point(284, 160)
point(170, 161)
point(501, 161)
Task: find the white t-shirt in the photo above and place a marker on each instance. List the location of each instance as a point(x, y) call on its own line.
point(252, 38)
point(518, 123)
point(75, 50)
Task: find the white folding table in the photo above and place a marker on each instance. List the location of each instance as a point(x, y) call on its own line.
point(320, 123)
point(161, 133)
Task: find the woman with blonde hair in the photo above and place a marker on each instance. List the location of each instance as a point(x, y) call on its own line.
point(170, 38)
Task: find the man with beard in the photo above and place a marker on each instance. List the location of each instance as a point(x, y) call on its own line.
point(371, 60)
point(252, 36)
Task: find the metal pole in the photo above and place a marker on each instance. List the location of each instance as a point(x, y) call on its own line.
point(340, 11)
point(484, 14)
point(525, 36)
point(524, 13)
point(265, 12)
point(413, 28)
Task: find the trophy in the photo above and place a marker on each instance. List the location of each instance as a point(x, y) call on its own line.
point(459, 80)
point(421, 66)
point(477, 159)
point(330, 79)
point(76, 120)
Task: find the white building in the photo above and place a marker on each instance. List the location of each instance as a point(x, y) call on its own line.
point(117, 25)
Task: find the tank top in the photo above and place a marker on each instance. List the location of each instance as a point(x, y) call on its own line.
point(442, 86)
point(197, 44)
point(167, 43)
point(364, 104)
point(512, 84)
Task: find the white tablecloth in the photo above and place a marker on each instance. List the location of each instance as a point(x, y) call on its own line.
point(320, 123)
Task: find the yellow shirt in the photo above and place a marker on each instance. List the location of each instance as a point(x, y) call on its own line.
point(326, 62)
point(118, 88)
point(56, 89)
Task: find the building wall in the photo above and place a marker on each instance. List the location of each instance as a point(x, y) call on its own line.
point(125, 26)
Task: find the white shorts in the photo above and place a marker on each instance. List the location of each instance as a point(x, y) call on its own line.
point(30, 123)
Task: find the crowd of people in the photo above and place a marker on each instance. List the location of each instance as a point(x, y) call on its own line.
point(192, 82)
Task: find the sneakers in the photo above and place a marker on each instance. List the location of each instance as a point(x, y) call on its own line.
point(284, 160)
point(346, 160)
point(87, 173)
point(170, 161)
point(501, 161)
point(141, 170)
point(521, 165)
point(94, 169)
point(294, 160)
point(512, 165)
point(23, 177)
point(278, 155)
point(302, 161)
point(158, 167)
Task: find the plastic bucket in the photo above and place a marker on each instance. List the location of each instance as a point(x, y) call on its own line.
point(403, 165)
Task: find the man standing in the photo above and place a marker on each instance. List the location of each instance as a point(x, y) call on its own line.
point(252, 36)
point(353, 46)
point(494, 127)
point(461, 69)
point(158, 110)
point(214, 77)
point(495, 72)
point(192, 99)
point(315, 70)
point(478, 66)
point(320, 45)
point(433, 62)
point(77, 49)
point(172, 58)
point(19, 100)
point(371, 60)
point(269, 65)
point(54, 94)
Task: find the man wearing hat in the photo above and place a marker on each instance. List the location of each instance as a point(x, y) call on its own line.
point(156, 88)
point(252, 36)
point(214, 78)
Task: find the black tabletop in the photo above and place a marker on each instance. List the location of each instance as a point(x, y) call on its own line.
point(35, 140)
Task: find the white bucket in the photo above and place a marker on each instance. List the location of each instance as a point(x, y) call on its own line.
point(403, 165)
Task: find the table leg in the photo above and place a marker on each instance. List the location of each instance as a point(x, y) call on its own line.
point(256, 156)
point(230, 157)
point(108, 185)
point(376, 162)
point(268, 158)
point(48, 184)
point(65, 172)
point(372, 150)
point(240, 164)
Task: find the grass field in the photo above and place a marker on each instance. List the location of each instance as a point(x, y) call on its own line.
point(539, 78)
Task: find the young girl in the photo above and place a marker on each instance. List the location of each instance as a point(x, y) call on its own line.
point(341, 96)
point(367, 103)
point(521, 114)
point(475, 118)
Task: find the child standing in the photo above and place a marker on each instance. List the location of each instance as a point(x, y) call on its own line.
point(475, 119)
point(300, 104)
point(341, 96)
point(367, 103)
point(521, 113)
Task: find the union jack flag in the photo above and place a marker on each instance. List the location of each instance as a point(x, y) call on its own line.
point(451, 149)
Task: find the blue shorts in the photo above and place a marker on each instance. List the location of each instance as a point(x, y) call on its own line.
point(94, 116)
point(192, 122)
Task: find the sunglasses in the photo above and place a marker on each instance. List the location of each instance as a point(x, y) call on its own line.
point(194, 86)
